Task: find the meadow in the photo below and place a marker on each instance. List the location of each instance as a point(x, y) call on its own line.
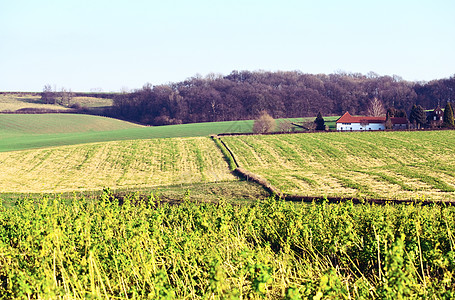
point(267, 249)
point(27, 131)
point(117, 164)
point(388, 165)
point(12, 102)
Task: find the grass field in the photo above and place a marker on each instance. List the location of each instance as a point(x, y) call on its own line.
point(393, 165)
point(16, 124)
point(118, 164)
point(20, 132)
point(13, 102)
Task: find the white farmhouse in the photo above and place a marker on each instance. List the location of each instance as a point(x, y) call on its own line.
point(360, 123)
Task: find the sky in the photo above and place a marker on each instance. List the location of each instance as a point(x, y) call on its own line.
point(113, 45)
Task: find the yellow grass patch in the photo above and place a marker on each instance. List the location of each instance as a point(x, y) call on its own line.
point(14, 102)
point(120, 164)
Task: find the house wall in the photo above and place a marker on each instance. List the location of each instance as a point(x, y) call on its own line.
point(400, 126)
point(358, 126)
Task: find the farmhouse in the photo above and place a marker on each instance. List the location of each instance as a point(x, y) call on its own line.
point(351, 123)
point(435, 117)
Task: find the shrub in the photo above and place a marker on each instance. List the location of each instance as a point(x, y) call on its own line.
point(265, 123)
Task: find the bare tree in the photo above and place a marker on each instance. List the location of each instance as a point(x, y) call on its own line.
point(285, 126)
point(265, 123)
point(48, 95)
point(66, 95)
point(376, 108)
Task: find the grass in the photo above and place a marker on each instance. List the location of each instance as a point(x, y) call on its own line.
point(17, 124)
point(238, 192)
point(393, 165)
point(20, 132)
point(12, 102)
point(118, 164)
point(267, 249)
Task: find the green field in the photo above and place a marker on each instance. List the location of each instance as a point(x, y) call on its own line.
point(17, 124)
point(19, 132)
point(392, 165)
point(266, 250)
point(117, 164)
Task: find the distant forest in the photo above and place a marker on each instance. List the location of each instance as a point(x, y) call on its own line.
point(243, 95)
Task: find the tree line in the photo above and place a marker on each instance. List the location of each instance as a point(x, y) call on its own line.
point(244, 94)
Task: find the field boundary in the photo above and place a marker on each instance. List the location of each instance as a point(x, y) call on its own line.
point(331, 131)
point(274, 192)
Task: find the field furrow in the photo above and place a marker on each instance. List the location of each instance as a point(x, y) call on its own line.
point(395, 165)
point(138, 163)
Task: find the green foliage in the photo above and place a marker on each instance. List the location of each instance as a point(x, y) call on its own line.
point(448, 116)
point(271, 249)
point(226, 154)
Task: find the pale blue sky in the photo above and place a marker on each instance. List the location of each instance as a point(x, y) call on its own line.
point(109, 44)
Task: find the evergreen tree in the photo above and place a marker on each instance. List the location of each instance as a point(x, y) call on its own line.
point(448, 116)
point(319, 121)
point(401, 113)
point(418, 116)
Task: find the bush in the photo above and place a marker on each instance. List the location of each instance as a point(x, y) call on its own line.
point(265, 123)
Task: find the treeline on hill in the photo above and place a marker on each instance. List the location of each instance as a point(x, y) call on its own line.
point(242, 95)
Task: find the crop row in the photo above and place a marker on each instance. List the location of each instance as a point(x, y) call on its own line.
point(137, 163)
point(396, 165)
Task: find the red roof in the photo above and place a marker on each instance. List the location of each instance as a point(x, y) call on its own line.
point(347, 118)
point(396, 120)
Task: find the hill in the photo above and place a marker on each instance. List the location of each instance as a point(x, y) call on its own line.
point(58, 123)
point(20, 132)
point(17, 102)
point(244, 94)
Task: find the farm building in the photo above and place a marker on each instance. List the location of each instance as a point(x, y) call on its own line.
point(435, 117)
point(358, 123)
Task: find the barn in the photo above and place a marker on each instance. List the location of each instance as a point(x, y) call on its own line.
point(365, 123)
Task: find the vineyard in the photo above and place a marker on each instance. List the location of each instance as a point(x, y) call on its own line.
point(103, 249)
point(119, 164)
point(392, 165)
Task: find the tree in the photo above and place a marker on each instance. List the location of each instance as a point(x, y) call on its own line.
point(376, 108)
point(66, 95)
point(319, 121)
point(388, 121)
point(285, 126)
point(48, 95)
point(264, 123)
point(448, 116)
point(417, 116)
point(401, 114)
